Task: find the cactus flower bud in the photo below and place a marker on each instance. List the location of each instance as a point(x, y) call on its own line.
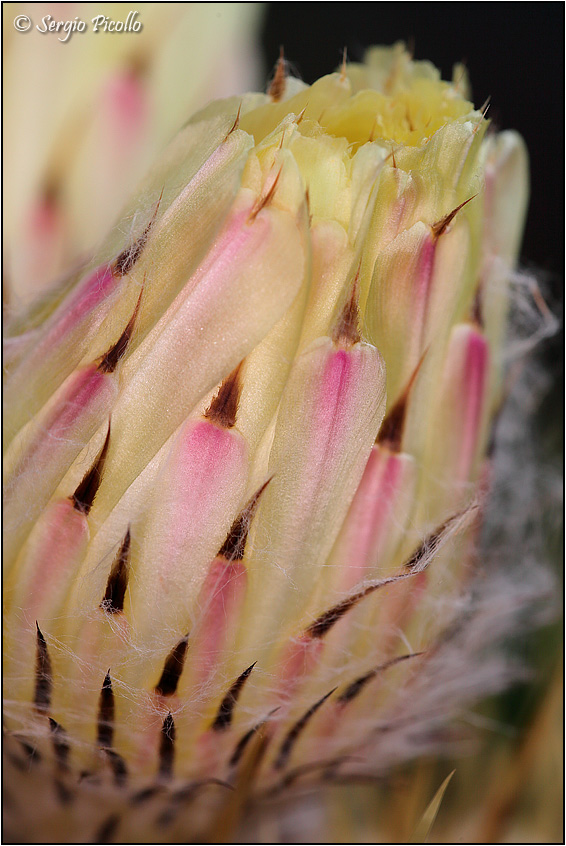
point(244, 451)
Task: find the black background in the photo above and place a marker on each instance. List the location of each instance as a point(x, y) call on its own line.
point(514, 53)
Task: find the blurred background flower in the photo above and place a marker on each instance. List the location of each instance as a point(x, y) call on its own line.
point(85, 118)
point(83, 122)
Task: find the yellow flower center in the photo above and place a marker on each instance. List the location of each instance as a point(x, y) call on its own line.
point(408, 117)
